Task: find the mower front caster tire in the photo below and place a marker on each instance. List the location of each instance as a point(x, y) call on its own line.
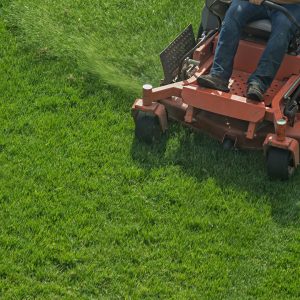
point(147, 127)
point(280, 164)
point(228, 144)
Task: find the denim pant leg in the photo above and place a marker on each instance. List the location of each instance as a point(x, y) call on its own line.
point(282, 32)
point(238, 15)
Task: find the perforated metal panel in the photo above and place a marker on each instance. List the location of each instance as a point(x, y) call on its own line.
point(238, 86)
point(172, 56)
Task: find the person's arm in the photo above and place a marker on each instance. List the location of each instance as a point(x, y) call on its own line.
point(259, 2)
point(287, 1)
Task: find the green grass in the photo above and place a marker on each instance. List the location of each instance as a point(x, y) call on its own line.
point(86, 211)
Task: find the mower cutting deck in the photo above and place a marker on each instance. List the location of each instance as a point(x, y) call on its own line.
point(272, 125)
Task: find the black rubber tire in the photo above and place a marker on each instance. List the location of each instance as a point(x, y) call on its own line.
point(147, 128)
point(228, 144)
point(280, 163)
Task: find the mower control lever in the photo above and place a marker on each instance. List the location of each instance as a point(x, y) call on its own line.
point(274, 5)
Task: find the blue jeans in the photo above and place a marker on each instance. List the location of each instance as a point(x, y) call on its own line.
point(238, 15)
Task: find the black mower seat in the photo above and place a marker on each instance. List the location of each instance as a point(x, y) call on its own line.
point(261, 28)
point(213, 15)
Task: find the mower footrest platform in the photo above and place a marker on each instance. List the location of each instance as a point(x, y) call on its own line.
point(223, 104)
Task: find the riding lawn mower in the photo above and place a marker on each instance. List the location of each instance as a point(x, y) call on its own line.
point(237, 122)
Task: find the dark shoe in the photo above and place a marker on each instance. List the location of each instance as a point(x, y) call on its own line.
point(254, 92)
point(213, 82)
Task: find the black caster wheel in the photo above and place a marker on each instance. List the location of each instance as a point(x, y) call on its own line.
point(228, 144)
point(147, 128)
point(280, 164)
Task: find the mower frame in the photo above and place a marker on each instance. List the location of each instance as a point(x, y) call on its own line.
point(231, 116)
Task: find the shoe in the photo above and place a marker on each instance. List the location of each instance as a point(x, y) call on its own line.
point(254, 92)
point(213, 82)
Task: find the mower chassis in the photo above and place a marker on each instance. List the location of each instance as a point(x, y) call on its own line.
point(222, 115)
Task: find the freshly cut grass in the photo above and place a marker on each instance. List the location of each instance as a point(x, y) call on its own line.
point(86, 211)
point(118, 40)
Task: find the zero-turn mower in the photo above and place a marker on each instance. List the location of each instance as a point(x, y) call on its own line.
point(231, 118)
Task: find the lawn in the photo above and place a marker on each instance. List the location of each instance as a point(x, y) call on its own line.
point(88, 212)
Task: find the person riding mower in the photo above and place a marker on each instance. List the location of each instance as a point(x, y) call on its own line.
point(239, 14)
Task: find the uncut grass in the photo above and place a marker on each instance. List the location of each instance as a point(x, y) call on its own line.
point(88, 212)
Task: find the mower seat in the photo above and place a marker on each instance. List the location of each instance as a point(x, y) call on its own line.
point(260, 28)
point(214, 13)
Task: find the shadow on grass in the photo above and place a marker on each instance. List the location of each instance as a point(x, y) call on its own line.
point(201, 157)
point(94, 83)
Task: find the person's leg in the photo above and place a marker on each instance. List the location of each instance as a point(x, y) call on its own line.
point(270, 61)
point(238, 15)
